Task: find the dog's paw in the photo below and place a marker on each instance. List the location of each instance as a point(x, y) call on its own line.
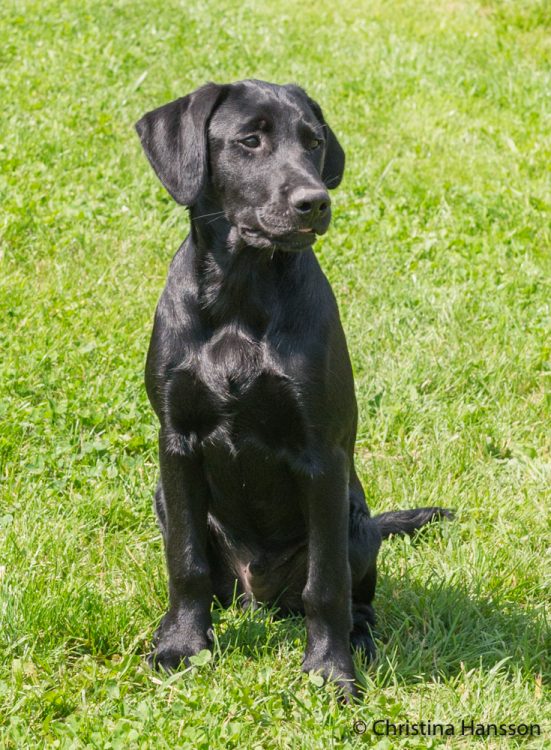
point(171, 653)
point(170, 657)
point(361, 637)
point(361, 640)
point(338, 671)
point(175, 641)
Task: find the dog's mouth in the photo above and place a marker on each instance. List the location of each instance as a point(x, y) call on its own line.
point(296, 240)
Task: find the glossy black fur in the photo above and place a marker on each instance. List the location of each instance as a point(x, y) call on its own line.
point(249, 374)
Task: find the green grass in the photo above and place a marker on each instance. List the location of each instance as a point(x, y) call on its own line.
point(439, 255)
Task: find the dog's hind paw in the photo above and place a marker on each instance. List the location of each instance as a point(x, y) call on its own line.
point(361, 640)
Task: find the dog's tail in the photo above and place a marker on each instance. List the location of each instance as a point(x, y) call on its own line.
point(408, 521)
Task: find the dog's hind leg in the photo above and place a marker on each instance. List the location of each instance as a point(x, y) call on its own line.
point(364, 541)
point(226, 584)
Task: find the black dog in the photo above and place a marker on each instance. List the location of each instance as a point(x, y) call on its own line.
point(250, 377)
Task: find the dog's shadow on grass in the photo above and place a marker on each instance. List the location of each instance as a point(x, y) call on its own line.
point(423, 631)
point(439, 630)
point(255, 631)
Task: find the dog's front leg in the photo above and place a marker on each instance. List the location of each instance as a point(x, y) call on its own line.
point(185, 628)
point(327, 594)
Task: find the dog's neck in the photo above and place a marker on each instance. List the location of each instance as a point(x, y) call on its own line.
point(237, 283)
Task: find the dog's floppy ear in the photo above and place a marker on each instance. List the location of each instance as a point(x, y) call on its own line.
point(333, 165)
point(174, 138)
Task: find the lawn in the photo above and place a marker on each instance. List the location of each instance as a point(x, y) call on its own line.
point(440, 258)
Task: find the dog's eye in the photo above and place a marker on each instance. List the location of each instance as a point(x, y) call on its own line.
point(314, 143)
point(252, 141)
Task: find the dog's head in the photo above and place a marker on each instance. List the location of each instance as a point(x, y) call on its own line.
point(262, 152)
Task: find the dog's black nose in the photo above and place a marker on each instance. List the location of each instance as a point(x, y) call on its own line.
point(310, 203)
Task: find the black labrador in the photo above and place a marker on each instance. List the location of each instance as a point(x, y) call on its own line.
point(250, 377)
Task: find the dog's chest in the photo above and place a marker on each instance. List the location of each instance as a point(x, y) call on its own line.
point(233, 391)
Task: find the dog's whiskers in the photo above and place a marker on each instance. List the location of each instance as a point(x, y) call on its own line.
point(218, 214)
point(216, 218)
